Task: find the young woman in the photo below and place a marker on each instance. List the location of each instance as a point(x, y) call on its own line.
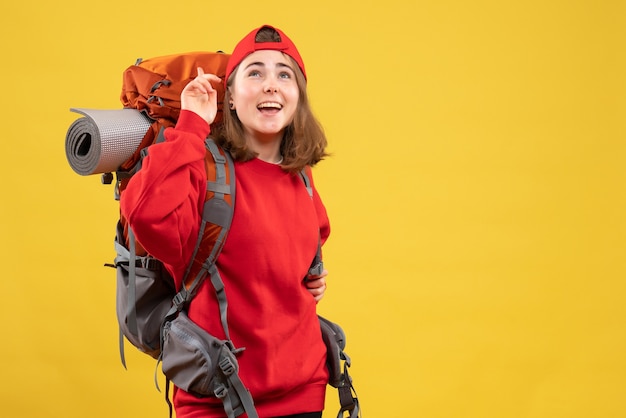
point(271, 132)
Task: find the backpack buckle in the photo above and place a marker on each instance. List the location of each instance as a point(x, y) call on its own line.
point(317, 269)
point(227, 366)
point(149, 263)
point(220, 392)
point(179, 299)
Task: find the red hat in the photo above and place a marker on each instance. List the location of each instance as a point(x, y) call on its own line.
point(248, 45)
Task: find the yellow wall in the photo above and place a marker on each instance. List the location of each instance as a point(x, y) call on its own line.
point(476, 192)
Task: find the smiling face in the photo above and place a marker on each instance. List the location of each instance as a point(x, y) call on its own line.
point(265, 95)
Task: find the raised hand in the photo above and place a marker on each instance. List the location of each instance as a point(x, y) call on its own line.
point(200, 97)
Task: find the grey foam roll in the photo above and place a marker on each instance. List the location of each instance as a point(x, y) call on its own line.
point(101, 140)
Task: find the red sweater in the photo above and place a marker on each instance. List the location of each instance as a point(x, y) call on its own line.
point(270, 246)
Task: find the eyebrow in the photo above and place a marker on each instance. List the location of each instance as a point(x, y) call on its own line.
point(261, 64)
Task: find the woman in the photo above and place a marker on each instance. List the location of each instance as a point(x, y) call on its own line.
point(271, 133)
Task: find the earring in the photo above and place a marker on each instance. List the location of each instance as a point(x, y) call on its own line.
point(231, 105)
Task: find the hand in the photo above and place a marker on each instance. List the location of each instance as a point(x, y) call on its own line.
point(316, 285)
point(200, 97)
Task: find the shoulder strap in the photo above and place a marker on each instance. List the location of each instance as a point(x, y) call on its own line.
point(317, 266)
point(217, 216)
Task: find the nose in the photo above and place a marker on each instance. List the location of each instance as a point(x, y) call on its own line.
point(271, 87)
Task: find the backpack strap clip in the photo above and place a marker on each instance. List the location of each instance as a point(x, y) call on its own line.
point(148, 263)
point(317, 269)
point(227, 367)
point(180, 299)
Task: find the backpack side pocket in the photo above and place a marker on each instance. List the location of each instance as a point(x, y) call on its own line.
point(144, 296)
point(204, 365)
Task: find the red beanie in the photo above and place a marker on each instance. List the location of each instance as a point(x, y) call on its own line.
point(247, 46)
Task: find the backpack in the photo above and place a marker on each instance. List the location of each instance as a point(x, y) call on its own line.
point(153, 87)
point(150, 312)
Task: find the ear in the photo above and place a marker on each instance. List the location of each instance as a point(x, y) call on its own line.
point(229, 96)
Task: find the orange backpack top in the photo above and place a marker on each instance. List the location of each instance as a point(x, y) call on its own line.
point(153, 86)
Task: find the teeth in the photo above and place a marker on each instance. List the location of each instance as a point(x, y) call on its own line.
point(270, 105)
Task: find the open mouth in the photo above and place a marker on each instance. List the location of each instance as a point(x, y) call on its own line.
point(269, 106)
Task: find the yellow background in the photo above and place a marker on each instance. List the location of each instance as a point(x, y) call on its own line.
point(476, 191)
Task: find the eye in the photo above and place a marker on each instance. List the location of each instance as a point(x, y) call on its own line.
point(254, 73)
point(285, 75)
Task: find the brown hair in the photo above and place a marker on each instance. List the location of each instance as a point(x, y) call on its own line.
point(304, 141)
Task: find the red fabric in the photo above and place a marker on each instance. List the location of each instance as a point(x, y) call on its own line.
point(271, 244)
point(248, 45)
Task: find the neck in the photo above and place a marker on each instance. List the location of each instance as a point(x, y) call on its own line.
point(273, 157)
point(267, 149)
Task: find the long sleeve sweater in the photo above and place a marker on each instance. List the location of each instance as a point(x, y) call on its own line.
point(272, 241)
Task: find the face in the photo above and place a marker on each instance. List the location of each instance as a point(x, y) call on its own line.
point(265, 95)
